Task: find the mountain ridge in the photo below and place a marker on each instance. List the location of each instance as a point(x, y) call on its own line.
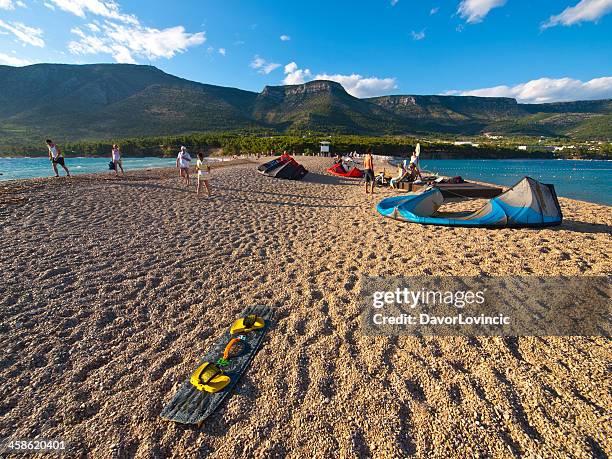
point(101, 101)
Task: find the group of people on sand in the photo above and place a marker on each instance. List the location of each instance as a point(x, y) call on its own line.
point(368, 165)
point(56, 156)
point(407, 170)
point(183, 163)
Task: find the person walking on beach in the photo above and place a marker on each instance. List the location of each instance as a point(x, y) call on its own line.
point(368, 164)
point(183, 160)
point(116, 158)
point(56, 156)
point(203, 174)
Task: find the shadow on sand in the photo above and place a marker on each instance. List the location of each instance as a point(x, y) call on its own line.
point(157, 187)
point(582, 227)
point(284, 195)
point(313, 177)
point(225, 198)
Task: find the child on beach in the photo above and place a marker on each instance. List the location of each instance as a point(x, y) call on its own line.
point(183, 160)
point(56, 156)
point(203, 174)
point(116, 158)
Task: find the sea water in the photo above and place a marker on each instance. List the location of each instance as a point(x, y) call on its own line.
point(20, 167)
point(578, 179)
point(23, 167)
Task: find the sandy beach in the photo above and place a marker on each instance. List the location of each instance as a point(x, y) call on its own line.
point(111, 289)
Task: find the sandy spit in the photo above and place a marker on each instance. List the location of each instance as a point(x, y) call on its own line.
point(111, 289)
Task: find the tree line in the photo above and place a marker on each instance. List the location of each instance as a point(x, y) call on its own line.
point(232, 143)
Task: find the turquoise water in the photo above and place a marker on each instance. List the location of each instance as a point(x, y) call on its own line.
point(18, 168)
point(584, 180)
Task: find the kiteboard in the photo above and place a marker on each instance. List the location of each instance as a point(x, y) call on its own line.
point(202, 393)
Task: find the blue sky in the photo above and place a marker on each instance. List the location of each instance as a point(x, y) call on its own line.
point(534, 51)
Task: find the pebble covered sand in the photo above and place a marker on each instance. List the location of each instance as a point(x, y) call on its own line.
point(111, 289)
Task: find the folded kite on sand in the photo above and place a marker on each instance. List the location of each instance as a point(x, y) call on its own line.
point(199, 396)
point(284, 167)
point(529, 203)
point(338, 170)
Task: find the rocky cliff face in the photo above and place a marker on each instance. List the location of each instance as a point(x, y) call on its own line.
point(312, 87)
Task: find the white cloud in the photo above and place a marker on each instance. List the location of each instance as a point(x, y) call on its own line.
point(547, 90)
point(105, 8)
point(10, 4)
point(434, 10)
point(124, 41)
point(122, 35)
point(476, 10)
point(285, 38)
point(358, 86)
point(262, 66)
point(6, 59)
point(418, 35)
point(354, 84)
point(25, 34)
point(295, 75)
point(585, 10)
point(394, 2)
point(222, 51)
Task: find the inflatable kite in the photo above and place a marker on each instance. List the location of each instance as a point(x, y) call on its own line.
point(338, 170)
point(529, 203)
point(284, 167)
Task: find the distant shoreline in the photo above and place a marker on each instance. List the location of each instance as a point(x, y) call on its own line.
point(221, 157)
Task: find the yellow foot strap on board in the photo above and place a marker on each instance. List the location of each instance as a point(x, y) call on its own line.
point(247, 324)
point(209, 377)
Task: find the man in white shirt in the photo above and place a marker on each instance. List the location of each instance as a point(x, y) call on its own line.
point(56, 156)
point(183, 161)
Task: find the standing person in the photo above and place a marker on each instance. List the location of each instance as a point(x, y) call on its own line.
point(116, 158)
point(368, 164)
point(56, 156)
point(203, 173)
point(183, 160)
point(414, 159)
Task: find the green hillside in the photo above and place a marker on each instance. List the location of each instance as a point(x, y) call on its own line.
point(104, 101)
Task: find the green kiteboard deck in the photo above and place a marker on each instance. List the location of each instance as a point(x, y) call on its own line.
point(192, 406)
